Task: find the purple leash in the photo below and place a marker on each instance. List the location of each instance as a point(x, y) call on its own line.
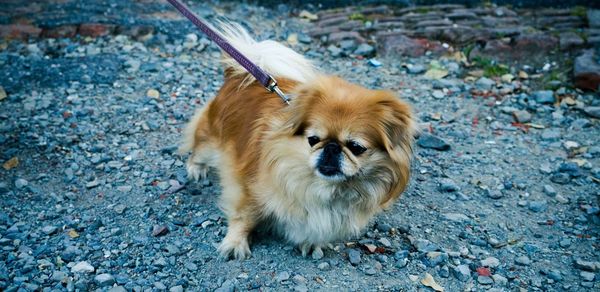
point(261, 76)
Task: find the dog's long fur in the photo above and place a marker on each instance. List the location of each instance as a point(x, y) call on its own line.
point(267, 167)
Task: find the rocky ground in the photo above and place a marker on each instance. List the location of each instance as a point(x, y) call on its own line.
point(504, 195)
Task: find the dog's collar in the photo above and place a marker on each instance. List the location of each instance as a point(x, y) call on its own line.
point(274, 88)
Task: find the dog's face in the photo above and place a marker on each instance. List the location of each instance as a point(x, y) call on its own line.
point(352, 133)
point(335, 156)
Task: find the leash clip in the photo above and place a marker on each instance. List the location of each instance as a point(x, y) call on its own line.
point(274, 88)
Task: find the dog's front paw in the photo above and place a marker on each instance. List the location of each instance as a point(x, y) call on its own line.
point(317, 251)
point(197, 171)
point(236, 248)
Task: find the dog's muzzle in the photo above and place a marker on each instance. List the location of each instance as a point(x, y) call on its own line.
point(329, 162)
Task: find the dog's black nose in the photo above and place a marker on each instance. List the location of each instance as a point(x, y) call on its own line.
point(329, 163)
point(333, 148)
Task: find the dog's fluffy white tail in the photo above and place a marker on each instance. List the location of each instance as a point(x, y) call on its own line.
point(273, 57)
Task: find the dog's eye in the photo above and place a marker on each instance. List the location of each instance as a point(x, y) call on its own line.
point(356, 148)
point(312, 140)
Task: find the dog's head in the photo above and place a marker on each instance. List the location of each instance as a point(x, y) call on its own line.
point(353, 134)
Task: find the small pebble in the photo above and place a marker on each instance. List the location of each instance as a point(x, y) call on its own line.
point(491, 262)
point(283, 276)
point(523, 261)
point(104, 280)
point(21, 183)
point(324, 266)
point(82, 267)
point(49, 230)
point(354, 256)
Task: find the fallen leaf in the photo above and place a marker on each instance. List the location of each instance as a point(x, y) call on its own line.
point(292, 39)
point(579, 150)
point(460, 57)
point(476, 73)
point(2, 93)
point(73, 233)
point(569, 101)
point(522, 127)
point(507, 78)
point(371, 247)
point(579, 161)
point(11, 163)
point(153, 93)
point(307, 15)
point(430, 282)
point(523, 75)
point(536, 126)
point(435, 73)
point(513, 241)
point(483, 271)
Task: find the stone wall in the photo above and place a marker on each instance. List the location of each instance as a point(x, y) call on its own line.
point(514, 3)
point(499, 31)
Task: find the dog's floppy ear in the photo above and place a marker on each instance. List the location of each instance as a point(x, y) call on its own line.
point(300, 105)
point(397, 128)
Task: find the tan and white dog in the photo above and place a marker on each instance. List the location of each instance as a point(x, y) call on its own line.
point(318, 169)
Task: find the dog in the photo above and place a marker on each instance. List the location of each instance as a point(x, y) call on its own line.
point(318, 169)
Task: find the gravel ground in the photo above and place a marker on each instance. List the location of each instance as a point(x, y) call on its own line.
point(98, 200)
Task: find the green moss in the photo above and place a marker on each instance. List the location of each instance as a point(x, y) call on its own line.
point(487, 3)
point(549, 80)
point(422, 10)
point(467, 50)
point(580, 11)
point(358, 16)
point(583, 35)
point(490, 67)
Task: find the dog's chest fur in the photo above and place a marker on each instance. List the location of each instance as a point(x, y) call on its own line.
point(309, 210)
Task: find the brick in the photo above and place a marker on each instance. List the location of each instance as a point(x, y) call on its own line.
point(569, 40)
point(19, 31)
point(398, 43)
point(333, 21)
point(383, 9)
point(63, 31)
point(136, 31)
point(345, 35)
point(95, 29)
point(535, 43)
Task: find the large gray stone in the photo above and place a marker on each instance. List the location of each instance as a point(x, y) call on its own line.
point(593, 16)
point(364, 50)
point(592, 111)
point(544, 96)
point(586, 70)
point(569, 40)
